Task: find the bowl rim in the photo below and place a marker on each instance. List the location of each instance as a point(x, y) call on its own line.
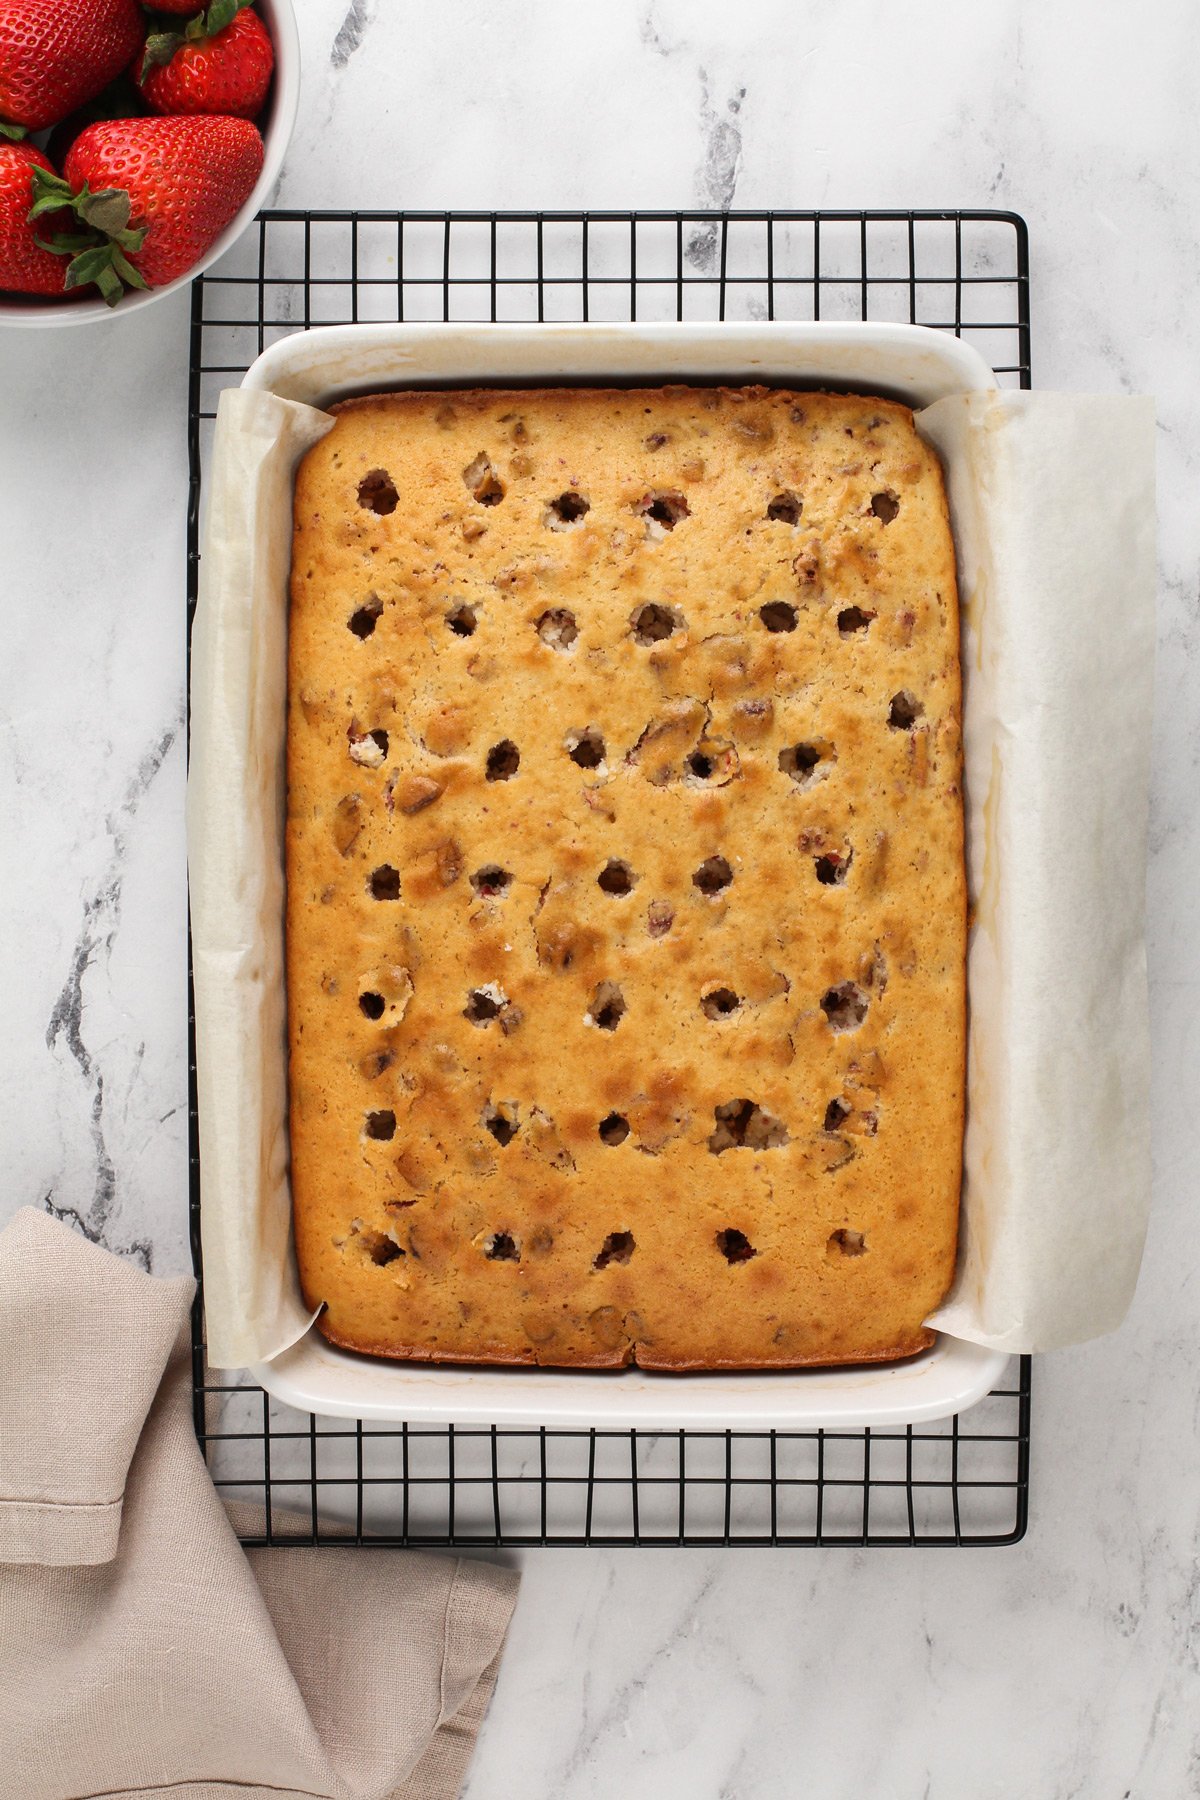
point(280, 15)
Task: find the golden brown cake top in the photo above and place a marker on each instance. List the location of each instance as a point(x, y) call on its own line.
point(626, 895)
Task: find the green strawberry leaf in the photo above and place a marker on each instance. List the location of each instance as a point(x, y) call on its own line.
point(66, 243)
point(89, 266)
point(107, 211)
point(126, 270)
point(110, 285)
point(15, 132)
point(220, 14)
point(160, 48)
point(106, 267)
point(131, 240)
point(51, 193)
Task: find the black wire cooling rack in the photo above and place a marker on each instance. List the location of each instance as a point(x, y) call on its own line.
point(320, 1480)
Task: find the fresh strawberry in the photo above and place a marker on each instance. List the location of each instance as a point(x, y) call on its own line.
point(55, 54)
point(187, 7)
point(220, 63)
point(25, 268)
point(151, 195)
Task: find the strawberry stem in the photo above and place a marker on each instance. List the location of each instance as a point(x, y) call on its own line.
point(220, 14)
point(98, 252)
point(161, 46)
point(13, 132)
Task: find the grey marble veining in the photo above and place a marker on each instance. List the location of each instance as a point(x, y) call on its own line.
point(1066, 1669)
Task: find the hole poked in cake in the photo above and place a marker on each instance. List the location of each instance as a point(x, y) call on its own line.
point(585, 748)
point(375, 1247)
point(802, 763)
point(483, 483)
point(734, 1245)
point(617, 1247)
point(885, 506)
point(501, 1246)
point(785, 508)
point(566, 510)
point(616, 877)
point(380, 1125)
point(491, 881)
point(557, 628)
point(386, 992)
point(377, 492)
point(852, 619)
point(383, 883)
point(904, 711)
point(368, 748)
point(713, 876)
point(463, 620)
point(364, 619)
point(500, 1118)
point(662, 511)
point(719, 1002)
point(846, 1243)
point(503, 761)
point(608, 1007)
point(832, 867)
point(654, 623)
point(779, 615)
point(485, 1003)
point(613, 1129)
point(713, 763)
point(845, 1006)
point(745, 1125)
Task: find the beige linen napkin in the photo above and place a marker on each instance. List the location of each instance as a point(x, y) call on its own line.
point(142, 1652)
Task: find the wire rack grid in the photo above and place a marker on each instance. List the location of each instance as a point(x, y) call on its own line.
point(322, 1480)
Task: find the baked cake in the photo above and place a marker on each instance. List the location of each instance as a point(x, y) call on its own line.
point(626, 900)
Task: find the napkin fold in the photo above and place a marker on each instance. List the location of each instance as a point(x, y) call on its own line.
point(141, 1649)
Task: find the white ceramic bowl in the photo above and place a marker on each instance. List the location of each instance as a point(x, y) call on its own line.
point(276, 126)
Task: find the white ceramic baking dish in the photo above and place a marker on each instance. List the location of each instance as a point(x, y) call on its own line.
point(911, 363)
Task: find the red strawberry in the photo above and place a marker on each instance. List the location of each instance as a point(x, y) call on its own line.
point(55, 54)
point(152, 194)
point(25, 268)
point(221, 63)
point(175, 6)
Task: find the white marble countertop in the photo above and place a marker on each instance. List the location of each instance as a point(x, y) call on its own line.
point(1067, 1666)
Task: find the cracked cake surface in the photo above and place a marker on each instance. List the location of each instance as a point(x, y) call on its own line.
point(626, 909)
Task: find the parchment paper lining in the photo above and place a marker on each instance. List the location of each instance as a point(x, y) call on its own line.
point(1053, 509)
